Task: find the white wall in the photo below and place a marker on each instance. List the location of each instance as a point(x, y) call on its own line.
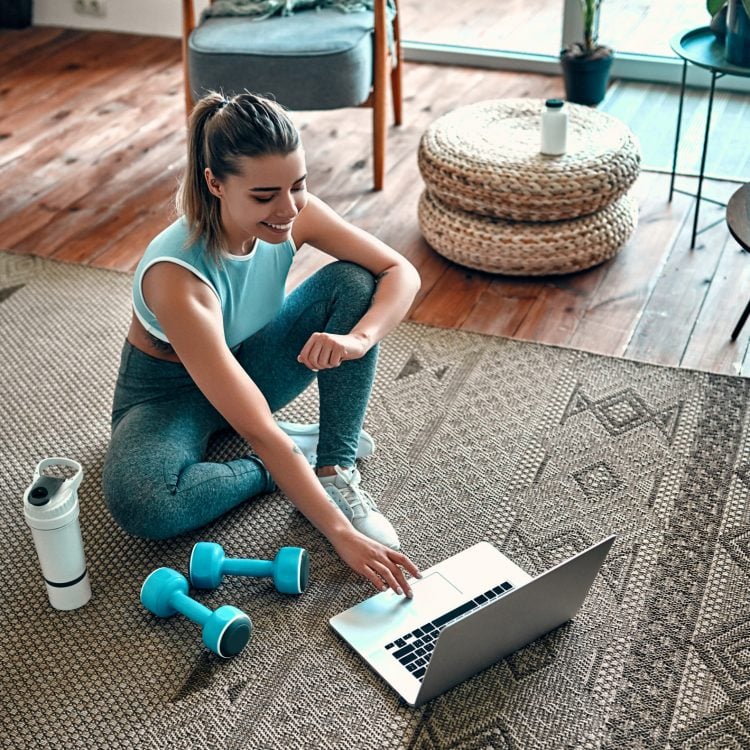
point(154, 17)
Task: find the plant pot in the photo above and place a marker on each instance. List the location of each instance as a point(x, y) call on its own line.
point(586, 78)
point(15, 14)
point(719, 24)
point(737, 49)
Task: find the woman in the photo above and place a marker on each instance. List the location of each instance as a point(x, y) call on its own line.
point(214, 343)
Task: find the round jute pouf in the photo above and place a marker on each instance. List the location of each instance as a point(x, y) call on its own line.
point(519, 248)
point(485, 158)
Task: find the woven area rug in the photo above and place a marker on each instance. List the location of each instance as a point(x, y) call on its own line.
point(540, 450)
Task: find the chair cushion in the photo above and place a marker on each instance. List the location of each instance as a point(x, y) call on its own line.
point(321, 59)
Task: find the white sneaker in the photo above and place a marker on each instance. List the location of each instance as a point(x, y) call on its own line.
point(305, 437)
point(344, 491)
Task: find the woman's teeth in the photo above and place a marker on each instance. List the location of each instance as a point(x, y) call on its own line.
point(279, 227)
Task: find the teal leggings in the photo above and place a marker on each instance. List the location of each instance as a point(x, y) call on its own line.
point(156, 481)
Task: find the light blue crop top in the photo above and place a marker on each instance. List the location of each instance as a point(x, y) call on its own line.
point(250, 288)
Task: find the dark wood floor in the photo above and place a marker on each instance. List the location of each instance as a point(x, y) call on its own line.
point(92, 145)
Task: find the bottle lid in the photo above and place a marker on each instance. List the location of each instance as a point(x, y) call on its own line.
point(554, 103)
point(50, 502)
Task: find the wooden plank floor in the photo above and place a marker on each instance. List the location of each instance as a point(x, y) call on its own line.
point(92, 145)
point(650, 109)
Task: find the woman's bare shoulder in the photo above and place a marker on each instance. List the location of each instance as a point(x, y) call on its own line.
point(171, 282)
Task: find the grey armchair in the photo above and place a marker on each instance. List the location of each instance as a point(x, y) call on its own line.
point(313, 59)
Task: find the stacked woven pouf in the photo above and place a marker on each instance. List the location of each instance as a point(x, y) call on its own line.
point(493, 202)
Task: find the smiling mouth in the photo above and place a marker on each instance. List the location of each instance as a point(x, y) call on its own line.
point(278, 227)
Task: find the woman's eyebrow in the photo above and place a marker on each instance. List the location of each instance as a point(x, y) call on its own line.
point(272, 189)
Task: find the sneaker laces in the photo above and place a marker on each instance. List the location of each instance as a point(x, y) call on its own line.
point(358, 502)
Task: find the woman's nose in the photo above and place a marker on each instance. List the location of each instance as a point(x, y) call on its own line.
point(288, 206)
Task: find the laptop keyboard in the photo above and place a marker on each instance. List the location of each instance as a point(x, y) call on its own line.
point(415, 648)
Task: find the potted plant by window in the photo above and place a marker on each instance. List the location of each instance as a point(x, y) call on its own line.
point(732, 17)
point(586, 64)
point(717, 9)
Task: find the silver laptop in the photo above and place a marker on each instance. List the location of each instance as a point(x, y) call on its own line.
point(468, 612)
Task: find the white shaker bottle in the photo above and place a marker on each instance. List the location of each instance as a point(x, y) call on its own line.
point(554, 127)
point(50, 505)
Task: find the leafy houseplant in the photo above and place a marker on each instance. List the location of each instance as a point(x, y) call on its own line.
point(731, 19)
point(586, 64)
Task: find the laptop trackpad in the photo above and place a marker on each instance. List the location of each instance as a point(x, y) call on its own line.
point(387, 615)
point(433, 587)
point(433, 595)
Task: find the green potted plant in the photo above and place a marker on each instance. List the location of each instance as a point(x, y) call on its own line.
point(586, 64)
point(730, 21)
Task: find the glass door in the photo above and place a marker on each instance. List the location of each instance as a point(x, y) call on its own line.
point(644, 27)
point(528, 26)
point(529, 34)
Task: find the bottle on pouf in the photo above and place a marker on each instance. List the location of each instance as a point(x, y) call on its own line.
point(554, 127)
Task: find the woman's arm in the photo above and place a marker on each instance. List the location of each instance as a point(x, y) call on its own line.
point(397, 283)
point(190, 316)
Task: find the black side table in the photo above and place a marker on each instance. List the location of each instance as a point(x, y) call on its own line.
point(700, 47)
point(738, 221)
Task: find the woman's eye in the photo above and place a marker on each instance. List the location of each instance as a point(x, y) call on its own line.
point(299, 189)
point(263, 200)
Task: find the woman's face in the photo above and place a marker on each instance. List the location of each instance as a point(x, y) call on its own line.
point(263, 200)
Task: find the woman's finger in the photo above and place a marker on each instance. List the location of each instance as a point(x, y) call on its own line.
point(375, 579)
point(314, 357)
point(401, 579)
point(322, 351)
point(334, 355)
point(327, 355)
point(304, 355)
point(388, 576)
point(337, 357)
point(401, 559)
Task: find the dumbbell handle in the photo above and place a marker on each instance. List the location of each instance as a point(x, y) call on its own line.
point(241, 567)
point(189, 607)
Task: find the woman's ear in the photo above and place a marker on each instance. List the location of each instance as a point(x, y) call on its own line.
point(214, 186)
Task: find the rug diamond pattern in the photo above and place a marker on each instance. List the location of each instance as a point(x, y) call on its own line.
point(537, 449)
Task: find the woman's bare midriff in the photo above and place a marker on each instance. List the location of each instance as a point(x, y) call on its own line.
point(141, 339)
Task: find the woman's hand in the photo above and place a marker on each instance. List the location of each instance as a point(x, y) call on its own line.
point(379, 564)
point(325, 350)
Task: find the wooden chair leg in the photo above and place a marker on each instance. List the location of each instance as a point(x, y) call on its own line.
point(188, 24)
point(396, 90)
point(380, 96)
point(396, 93)
point(379, 128)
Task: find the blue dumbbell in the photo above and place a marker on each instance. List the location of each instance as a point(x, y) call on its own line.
point(226, 630)
point(290, 568)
